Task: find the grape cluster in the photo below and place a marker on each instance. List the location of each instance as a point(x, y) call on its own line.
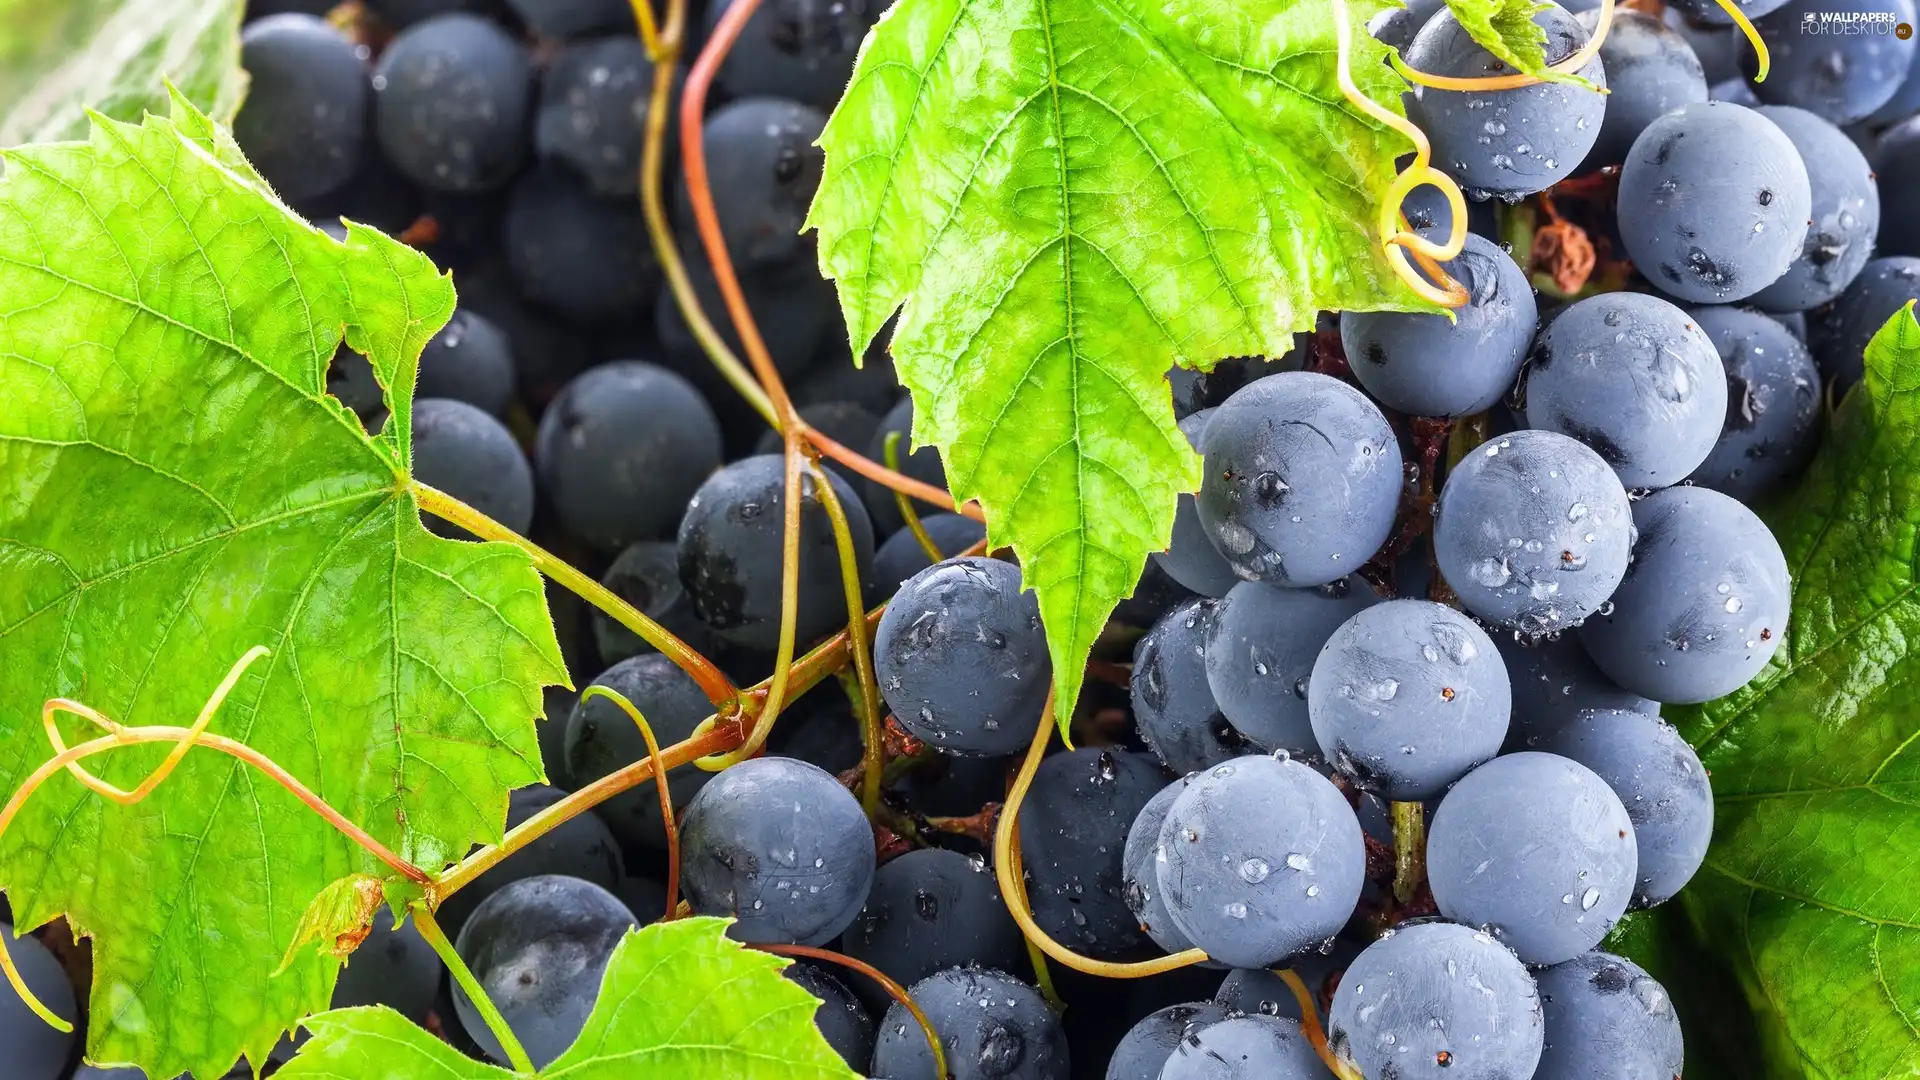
point(1358, 624)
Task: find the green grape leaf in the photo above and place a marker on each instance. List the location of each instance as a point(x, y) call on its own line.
point(679, 999)
point(1808, 889)
point(1506, 29)
point(176, 488)
point(339, 918)
point(1064, 198)
point(60, 58)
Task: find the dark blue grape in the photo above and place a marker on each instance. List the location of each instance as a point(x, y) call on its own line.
point(1173, 707)
point(34, 1049)
point(1261, 648)
point(450, 103)
point(763, 166)
point(1704, 605)
point(1554, 683)
point(1634, 378)
point(1537, 850)
point(1302, 479)
point(602, 738)
point(1773, 404)
point(469, 360)
point(1197, 390)
point(586, 259)
point(1427, 365)
point(622, 449)
point(1897, 162)
point(1846, 214)
point(474, 458)
point(304, 122)
point(1145, 1048)
point(1840, 336)
point(1651, 71)
point(962, 659)
point(1431, 1001)
point(1138, 878)
point(930, 910)
point(391, 967)
point(1505, 142)
point(902, 555)
point(1712, 43)
point(843, 1021)
point(1073, 834)
point(799, 49)
point(1245, 1048)
point(779, 845)
point(1607, 1020)
point(1660, 781)
point(1841, 76)
point(538, 948)
point(593, 110)
point(991, 1025)
point(582, 847)
point(1260, 859)
point(1407, 697)
point(647, 575)
point(563, 19)
point(1190, 558)
point(920, 462)
point(1714, 202)
point(793, 304)
point(1708, 13)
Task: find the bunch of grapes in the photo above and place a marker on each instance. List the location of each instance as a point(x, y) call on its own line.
point(1424, 610)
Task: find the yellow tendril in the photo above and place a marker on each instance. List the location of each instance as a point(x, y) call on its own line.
point(1395, 237)
point(1753, 37)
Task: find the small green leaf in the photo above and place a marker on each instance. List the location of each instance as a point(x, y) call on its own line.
point(1066, 197)
point(176, 487)
point(1808, 891)
point(680, 1001)
point(1506, 29)
point(59, 58)
point(338, 919)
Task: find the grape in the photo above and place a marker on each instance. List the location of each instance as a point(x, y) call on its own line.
point(472, 457)
point(944, 785)
point(799, 49)
point(391, 967)
point(1533, 531)
point(583, 258)
point(991, 1025)
point(1505, 142)
point(581, 847)
point(1843, 77)
point(843, 1021)
point(779, 845)
point(34, 1049)
point(1433, 1000)
point(922, 464)
point(1714, 202)
point(793, 305)
point(961, 657)
point(644, 896)
point(1172, 704)
point(1660, 781)
point(400, 14)
point(647, 575)
point(1607, 1020)
point(1702, 608)
point(1773, 404)
point(304, 120)
point(1260, 991)
point(1794, 321)
point(901, 556)
point(1151, 598)
point(1425, 365)
point(1260, 859)
point(1536, 849)
point(1712, 44)
point(593, 110)
point(563, 19)
point(822, 731)
point(1138, 882)
point(845, 422)
point(1407, 697)
point(932, 909)
point(1396, 26)
point(1554, 683)
point(832, 375)
point(1191, 559)
point(546, 351)
point(1846, 214)
point(1260, 651)
point(1197, 390)
point(1897, 161)
point(1073, 834)
point(1840, 336)
point(763, 167)
point(602, 738)
point(1302, 479)
point(622, 449)
point(1651, 71)
point(450, 103)
point(469, 360)
point(1245, 1048)
point(538, 948)
point(1904, 103)
point(1631, 376)
point(1145, 1048)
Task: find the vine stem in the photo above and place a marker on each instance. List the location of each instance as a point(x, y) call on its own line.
point(894, 990)
point(857, 644)
point(436, 938)
point(659, 782)
point(1013, 886)
point(1310, 1026)
point(712, 681)
point(1409, 849)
